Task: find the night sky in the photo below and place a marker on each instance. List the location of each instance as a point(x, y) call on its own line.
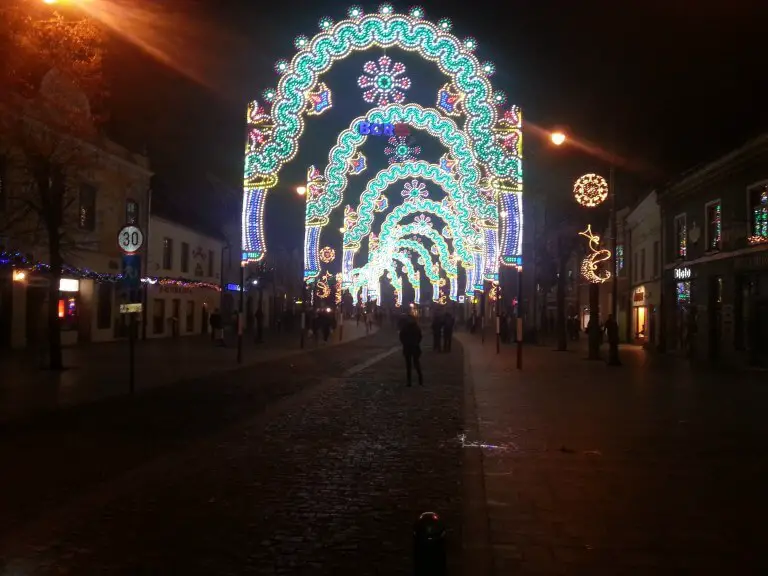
point(664, 85)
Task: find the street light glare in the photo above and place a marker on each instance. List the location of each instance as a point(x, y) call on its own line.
point(301, 190)
point(557, 138)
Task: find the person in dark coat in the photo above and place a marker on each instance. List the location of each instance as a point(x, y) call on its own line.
point(437, 329)
point(448, 323)
point(612, 330)
point(410, 338)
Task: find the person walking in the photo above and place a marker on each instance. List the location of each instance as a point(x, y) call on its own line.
point(437, 328)
point(410, 338)
point(612, 330)
point(448, 332)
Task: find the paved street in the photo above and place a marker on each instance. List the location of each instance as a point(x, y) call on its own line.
point(98, 371)
point(651, 468)
point(318, 463)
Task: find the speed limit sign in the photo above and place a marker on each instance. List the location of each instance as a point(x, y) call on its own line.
point(130, 239)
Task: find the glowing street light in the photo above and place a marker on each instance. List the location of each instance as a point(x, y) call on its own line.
point(301, 190)
point(557, 138)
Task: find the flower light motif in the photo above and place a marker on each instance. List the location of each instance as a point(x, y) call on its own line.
point(414, 190)
point(400, 151)
point(384, 82)
point(327, 255)
point(423, 221)
point(381, 203)
point(590, 190)
point(447, 233)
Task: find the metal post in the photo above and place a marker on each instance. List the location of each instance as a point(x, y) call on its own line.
point(240, 315)
point(520, 317)
point(132, 353)
point(613, 347)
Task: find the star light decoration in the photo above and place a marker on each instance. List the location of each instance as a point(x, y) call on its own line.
point(400, 151)
point(384, 82)
point(414, 190)
point(590, 190)
point(327, 255)
point(590, 264)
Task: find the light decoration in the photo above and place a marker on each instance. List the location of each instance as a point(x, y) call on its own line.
point(327, 255)
point(386, 9)
point(760, 219)
point(301, 42)
point(491, 259)
point(381, 203)
point(494, 292)
point(357, 163)
point(384, 81)
point(269, 95)
point(414, 190)
point(590, 264)
point(259, 126)
point(683, 292)
point(590, 190)
point(423, 220)
point(359, 32)
point(281, 66)
point(488, 68)
point(355, 12)
point(323, 289)
point(416, 12)
point(399, 150)
point(450, 100)
point(716, 226)
point(447, 163)
point(319, 100)
point(508, 131)
point(470, 44)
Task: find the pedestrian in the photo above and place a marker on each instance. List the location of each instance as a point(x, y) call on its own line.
point(217, 328)
point(259, 324)
point(473, 322)
point(437, 329)
point(410, 338)
point(448, 332)
point(612, 330)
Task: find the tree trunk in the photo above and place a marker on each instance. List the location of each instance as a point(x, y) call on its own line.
point(562, 340)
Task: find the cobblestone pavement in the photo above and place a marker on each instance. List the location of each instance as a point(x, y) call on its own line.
point(100, 370)
point(655, 467)
point(322, 472)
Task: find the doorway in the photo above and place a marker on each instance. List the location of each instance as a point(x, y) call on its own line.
point(641, 327)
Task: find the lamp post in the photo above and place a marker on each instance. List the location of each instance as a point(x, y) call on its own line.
point(613, 344)
point(302, 191)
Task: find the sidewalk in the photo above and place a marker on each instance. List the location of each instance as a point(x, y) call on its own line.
point(647, 468)
point(97, 371)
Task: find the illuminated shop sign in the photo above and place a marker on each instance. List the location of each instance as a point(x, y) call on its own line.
point(682, 273)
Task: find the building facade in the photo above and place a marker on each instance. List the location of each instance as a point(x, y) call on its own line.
point(715, 251)
point(643, 241)
point(175, 308)
point(101, 197)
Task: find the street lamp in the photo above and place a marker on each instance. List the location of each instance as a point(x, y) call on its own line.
point(301, 190)
point(557, 138)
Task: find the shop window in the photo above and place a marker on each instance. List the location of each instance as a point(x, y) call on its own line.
point(681, 236)
point(642, 264)
point(104, 306)
point(167, 253)
point(131, 212)
point(714, 234)
point(683, 292)
point(758, 209)
point(190, 316)
point(158, 316)
point(184, 257)
point(87, 210)
point(210, 263)
point(68, 311)
point(620, 259)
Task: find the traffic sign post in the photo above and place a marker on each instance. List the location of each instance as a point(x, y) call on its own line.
point(130, 239)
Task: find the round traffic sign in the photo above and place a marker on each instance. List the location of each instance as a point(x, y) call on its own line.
point(130, 239)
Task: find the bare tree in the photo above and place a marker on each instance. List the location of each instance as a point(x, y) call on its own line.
point(51, 90)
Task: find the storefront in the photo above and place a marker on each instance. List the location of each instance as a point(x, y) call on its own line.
point(640, 316)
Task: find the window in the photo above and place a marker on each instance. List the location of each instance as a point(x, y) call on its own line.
point(642, 264)
point(158, 316)
point(714, 225)
point(184, 257)
point(634, 267)
point(167, 253)
point(620, 259)
point(683, 292)
point(131, 212)
point(190, 316)
point(210, 263)
point(758, 213)
point(656, 249)
point(681, 236)
point(104, 306)
point(87, 211)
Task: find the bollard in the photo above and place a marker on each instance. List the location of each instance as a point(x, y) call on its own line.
point(429, 546)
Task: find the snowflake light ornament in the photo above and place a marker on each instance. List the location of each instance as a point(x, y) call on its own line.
point(400, 151)
point(414, 190)
point(384, 82)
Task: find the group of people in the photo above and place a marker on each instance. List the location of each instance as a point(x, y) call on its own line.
point(442, 332)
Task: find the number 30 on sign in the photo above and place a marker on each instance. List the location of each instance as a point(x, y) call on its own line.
point(130, 239)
